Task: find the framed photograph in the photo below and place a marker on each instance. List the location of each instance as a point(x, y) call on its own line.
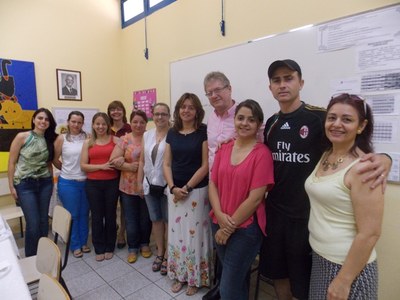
point(69, 85)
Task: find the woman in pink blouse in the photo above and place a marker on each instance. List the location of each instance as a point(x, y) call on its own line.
point(241, 174)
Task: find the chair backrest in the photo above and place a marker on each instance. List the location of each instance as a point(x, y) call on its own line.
point(61, 225)
point(48, 258)
point(51, 289)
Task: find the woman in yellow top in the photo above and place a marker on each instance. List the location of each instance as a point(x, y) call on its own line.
point(346, 214)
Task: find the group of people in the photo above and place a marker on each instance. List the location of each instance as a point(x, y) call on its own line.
point(303, 191)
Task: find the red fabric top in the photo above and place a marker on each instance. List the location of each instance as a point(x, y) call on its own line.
point(234, 182)
point(100, 154)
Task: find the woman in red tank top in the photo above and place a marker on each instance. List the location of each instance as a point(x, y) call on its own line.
point(101, 186)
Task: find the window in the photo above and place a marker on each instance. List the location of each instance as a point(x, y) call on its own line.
point(135, 10)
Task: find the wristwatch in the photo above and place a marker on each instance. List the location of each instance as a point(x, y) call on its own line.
point(189, 188)
point(171, 190)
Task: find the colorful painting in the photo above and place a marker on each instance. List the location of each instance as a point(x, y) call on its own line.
point(145, 100)
point(18, 102)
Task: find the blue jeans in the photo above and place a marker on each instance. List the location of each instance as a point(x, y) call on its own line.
point(103, 197)
point(34, 196)
point(236, 258)
point(137, 220)
point(158, 207)
point(73, 197)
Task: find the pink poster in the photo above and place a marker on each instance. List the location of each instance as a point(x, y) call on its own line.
point(145, 100)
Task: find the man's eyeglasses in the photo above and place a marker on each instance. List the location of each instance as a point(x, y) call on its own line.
point(217, 91)
point(161, 115)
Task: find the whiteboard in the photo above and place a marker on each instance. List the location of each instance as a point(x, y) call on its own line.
point(246, 64)
point(61, 117)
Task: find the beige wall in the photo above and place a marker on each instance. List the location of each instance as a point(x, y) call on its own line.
point(86, 36)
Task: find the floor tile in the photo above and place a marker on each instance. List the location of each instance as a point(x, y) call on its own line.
point(114, 270)
point(129, 283)
point(104, 292)
point(151, 291)
point(85, 283)
point(76, 269)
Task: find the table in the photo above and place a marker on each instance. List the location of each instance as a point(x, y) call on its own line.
point(12, 284)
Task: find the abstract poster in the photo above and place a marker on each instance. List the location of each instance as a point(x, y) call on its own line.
point(18, 102)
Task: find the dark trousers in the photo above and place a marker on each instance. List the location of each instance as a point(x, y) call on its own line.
point(137, 220)
point(103, 196)
point(34, 197)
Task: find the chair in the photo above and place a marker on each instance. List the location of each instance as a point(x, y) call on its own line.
point(51, 289)
point(10, 212)
point(61, 225)
point(261, 278)
point(47, 260)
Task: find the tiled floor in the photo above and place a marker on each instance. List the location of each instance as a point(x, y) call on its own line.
point(117, 279)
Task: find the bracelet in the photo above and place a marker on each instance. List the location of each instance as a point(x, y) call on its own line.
point(188, 188)
point(171, 190)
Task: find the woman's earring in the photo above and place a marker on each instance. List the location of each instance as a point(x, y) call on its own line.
point(359, 131)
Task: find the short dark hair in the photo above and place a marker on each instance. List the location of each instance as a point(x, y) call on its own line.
point(139, 113)
point(288, 63)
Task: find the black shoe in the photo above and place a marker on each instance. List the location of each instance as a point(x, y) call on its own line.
point(212, 294)
point(121, 245)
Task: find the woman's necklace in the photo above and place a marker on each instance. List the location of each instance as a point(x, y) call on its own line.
point(326, 164)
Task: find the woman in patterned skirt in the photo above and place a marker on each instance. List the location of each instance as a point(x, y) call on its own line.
point(186, 172)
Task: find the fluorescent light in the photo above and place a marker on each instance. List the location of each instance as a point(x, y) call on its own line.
point(263, 38)
point(301, 28)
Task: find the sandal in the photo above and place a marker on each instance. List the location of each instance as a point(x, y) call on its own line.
point(157, 263)
point(86, 249)
point(164, 267)
point(177, 286)
point(191, 290)
point(108, 255)
point(146, 252)
point(77, 253)
point(132, 257)
point(99, 257)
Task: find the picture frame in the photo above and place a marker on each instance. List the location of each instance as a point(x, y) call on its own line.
point(69, 85)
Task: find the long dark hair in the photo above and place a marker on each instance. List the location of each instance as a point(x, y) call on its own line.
point(50, 134)
point(178, 125)
point(364, 139)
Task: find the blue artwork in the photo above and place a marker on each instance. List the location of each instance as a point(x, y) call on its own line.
point(18, 99)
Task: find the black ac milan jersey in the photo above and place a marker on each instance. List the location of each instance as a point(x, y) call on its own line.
point(295, 140)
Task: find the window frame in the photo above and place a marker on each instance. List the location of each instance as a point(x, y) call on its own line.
point(147, 11)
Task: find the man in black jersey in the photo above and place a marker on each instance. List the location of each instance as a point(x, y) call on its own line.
point(294, 136)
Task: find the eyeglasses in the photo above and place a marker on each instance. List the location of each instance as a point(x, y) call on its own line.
point(161, 115)
point(116, 109)
point(343, 96)
point(217, 91)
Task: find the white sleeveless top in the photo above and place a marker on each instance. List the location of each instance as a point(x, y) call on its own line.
point(71, 157)
point(332, 224)
point(154, 172)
